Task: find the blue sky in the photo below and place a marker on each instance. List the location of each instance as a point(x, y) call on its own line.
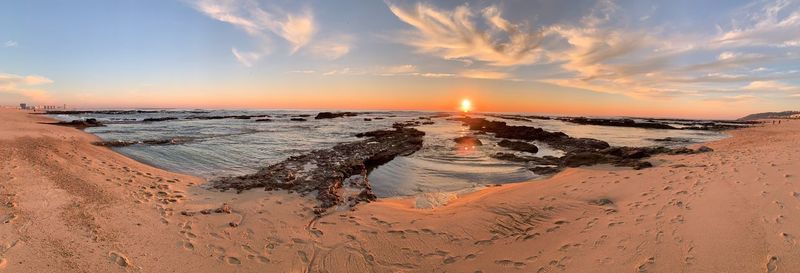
point(676, 58)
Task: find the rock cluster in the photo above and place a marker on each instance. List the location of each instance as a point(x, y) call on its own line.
point(557, 140)
point(518, 146)
point(123, 143)
point(579, 151)
point(619, 123)
point(332, 173)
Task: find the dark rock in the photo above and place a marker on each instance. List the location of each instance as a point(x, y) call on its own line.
point(642, 165)
point(518, 146)
point(428, 122)
point(367, 119)
point(468, 141)
point(408, 123)
point(602, 202)
point(297, 119)
point(328, 171)
point(618, 123)
point(226, 117)
point(545, 170)
point(673, 139)
point(80, 124)
point(512, 157)
point(159, 119)
point(123, 143)
point(264, 120)
point(329, 115)
point(557, 140)
point(583, 159)
point(704, 149)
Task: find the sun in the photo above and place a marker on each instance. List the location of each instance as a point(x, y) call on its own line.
point(466, 105)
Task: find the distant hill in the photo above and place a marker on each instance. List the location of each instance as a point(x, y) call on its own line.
point(784, 114)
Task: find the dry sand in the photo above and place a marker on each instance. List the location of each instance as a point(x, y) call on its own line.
point(69, 206)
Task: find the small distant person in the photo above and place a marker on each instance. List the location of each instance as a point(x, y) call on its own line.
point(779, 122)
point(773, 122)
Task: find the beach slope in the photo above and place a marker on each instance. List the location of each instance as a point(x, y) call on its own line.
point(70, 206)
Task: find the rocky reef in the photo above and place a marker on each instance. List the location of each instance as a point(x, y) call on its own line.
point(80, 124)
point(338, 175)
point(579, 151)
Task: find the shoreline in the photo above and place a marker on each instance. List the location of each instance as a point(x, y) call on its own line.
point(96, 210)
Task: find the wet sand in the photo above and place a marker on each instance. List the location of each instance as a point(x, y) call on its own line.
point(70, 206)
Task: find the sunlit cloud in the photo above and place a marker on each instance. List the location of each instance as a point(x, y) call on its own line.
point(776, 24)
point(456, 35)
point(262, 24)
point(486, 75)
point(24, 86)
point(601, 52)
point(732, 99)
point(771, 86)
point(332, 48)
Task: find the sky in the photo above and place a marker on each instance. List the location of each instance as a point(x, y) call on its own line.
point(681, 58)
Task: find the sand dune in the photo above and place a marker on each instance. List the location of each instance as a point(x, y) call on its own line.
point(69, 206)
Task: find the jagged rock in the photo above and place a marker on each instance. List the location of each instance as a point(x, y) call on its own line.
point(519, 146)
point(642, 165)
point(80, 124)
point(583, 159)
point(328, 171)
point(557, 140)
point(329, 115)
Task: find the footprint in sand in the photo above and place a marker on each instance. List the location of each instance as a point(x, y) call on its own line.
point(643, 267)
point(303, 256)
point(186, 245)
point(233, 260)
point(119, 259)
point(772, 264)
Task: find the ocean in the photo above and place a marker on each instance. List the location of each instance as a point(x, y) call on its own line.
point(201, 145)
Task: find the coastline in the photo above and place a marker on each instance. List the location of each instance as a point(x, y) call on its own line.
point(97, 211)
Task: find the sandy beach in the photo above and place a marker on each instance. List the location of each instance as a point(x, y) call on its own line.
point(70, 206)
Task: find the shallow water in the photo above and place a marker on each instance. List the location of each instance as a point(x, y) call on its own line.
point(224, 147)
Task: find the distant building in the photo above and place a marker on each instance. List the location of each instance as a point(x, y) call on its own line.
point(23, 106)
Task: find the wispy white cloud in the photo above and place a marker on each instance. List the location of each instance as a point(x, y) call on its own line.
point(771, 86)
point(10, 43)
point(297, 29)
point(603, 52)
point(247, 58)
point(456, 35)
point(307, 71)
point(732, 99)
point(25, 86)
point(775, 23)
point(332, 48)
